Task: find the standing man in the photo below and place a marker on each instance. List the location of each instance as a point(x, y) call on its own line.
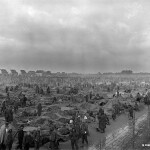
point(102, 123)
point(20, 133)
point(3, 107)
point(39, 109)
point(10, 114)
point(113, 114)
point(9, 140)
point(48, 90)
point(131, 111)
point(101, 111)
point(84, 132)
point(24, 101)
point(74, 139)
point(26, 141)
point(37, 140)
point(3, 135)
point(53, 139)
point(15, 107)
point(6, 114)
point(6, 89)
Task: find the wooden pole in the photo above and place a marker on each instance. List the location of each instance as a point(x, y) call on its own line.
point(148, 118)
point(100, 144)
point(133, 125)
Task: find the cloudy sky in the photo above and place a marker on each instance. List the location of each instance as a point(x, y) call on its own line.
point(75, 35)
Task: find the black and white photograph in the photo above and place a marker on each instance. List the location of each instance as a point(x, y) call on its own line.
point(74, 74)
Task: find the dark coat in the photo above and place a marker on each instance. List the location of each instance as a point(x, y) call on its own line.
point(53, 136)
point(39, 109)
point(6, 114)
point(73, 135)
point(27, 140)
point(10, 115)
point(84, 128)
point(102, 122)
point(9, 139)
point(20, 135)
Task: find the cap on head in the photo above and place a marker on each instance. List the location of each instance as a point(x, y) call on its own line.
point(71, 121)
point(22, 126)
point(28, 132)
point(38, 129)
point(10, 130)
point(6, 123)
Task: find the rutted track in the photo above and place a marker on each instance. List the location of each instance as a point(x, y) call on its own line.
point(118, 139)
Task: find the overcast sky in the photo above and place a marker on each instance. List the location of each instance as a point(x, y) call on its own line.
point(75, 35)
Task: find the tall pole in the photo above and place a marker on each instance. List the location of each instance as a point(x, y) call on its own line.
point(148, 118)
point(133, 126)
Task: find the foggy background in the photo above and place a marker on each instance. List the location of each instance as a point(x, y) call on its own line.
point(86, 36)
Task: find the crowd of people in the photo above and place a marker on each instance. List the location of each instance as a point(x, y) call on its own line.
point(78, 126)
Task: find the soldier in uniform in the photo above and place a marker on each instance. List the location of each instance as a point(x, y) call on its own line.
point(9, 140)
point(102, 123)
point(26, 141)
point(37, 89)
point(24, 101)
point(2, 136)
point(3, 106)
point(6, 114)
point(113, 114)
point(4, 141)
point(37, 140)
point(107, 119)
point(54, 99)
point(138, 97)
point(48, 90)
point(131, 111)
point(84, 132)
point(86, 98)
point(101, 111)
point(53, 139)
point(78, 129)
point(20, 133)
point(6, 89)
point(74, 139)
point(15, 107)
point(58, 91)
point(39, 109)
point(10, 114)
point(41, 91)
point(90, 95)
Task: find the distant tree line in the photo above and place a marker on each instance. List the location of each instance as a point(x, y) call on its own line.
point(126, 72)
